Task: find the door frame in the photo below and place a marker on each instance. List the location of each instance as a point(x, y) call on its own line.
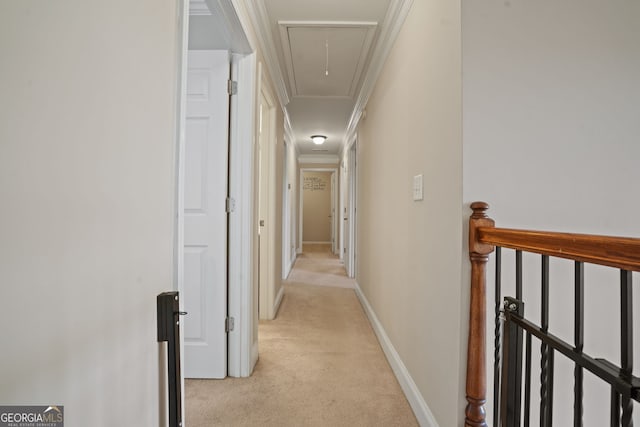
point(286, 210)
point(242, 344)
point(180, 108)
point(352, 178)
point(349, 200)
point(335, 196)
point(342, 227)
point(334, 201)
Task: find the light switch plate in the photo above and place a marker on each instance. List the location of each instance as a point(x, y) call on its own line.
point(417, 188)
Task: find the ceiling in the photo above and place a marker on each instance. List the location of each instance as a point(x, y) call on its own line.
point(322, 51)
point(323, 55)
point(325, 59)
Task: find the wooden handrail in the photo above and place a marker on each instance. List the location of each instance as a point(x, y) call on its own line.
point(618, 252)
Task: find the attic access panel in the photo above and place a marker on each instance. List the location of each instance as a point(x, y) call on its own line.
point(313, 48)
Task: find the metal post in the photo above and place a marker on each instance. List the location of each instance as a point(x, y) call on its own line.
point(511, 364)
point(169, 331)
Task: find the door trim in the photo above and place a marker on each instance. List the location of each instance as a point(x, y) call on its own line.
point(242, 346)
point(352, 182)
point(182, 46)
point(286, 210)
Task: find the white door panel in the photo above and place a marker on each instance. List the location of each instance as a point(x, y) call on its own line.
point(205, 217)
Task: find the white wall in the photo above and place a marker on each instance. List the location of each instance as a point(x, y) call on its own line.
point(87, 188)
point(551, 123)
point(409, 253)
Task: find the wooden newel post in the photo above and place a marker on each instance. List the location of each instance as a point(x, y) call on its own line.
point(476, 352)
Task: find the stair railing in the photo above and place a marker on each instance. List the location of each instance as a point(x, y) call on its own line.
point(510, 325)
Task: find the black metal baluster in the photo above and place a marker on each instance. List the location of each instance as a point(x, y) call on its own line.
point(615, 408)
point(544, 349)
point(626, 342)
point(519, 275)
point(511, 386)
point(579, 342)
point(551, 369)
point(527, 382)
point(496, 338)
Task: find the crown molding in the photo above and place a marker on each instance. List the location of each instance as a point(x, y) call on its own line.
point(393, 21)
point(260, 20)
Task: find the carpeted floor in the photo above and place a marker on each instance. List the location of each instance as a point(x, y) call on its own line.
point(318, 266)
point(320, 363)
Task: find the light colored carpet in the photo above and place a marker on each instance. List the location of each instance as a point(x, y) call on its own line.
point(318, 266)
point(320, 365)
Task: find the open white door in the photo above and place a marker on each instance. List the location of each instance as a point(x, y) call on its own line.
point(205, 217)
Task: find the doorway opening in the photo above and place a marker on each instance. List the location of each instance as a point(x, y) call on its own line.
point(268, 292)
point(318, 204)
point(214, 198)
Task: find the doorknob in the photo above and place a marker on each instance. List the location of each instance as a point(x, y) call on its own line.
point(262, 223)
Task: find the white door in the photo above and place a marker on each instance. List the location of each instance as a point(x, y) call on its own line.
point(205, 217)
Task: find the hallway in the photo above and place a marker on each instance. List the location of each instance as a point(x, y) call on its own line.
point(320, 363)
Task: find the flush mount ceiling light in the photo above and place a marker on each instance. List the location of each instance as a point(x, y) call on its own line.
point(318, 139)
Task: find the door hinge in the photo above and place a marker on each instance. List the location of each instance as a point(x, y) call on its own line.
point(230, 205)
point(229, 324)
point(232, 87)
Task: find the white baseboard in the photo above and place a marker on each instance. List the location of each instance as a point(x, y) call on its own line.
point(420, 408)
point(278, 301)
